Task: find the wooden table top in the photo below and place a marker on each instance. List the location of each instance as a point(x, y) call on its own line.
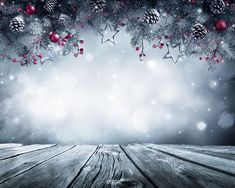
point(116, 166)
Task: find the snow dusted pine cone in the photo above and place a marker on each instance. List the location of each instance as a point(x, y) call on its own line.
point(217, 6)
point(64, 20)
point(50, 5)
point(199, 31)
point(151, 16)
point(17, 25)
point(97, 5)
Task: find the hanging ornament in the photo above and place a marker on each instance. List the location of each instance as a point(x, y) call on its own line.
point(17, 24)
point(30, 9)
point(199, 31)
point(174, 52)
point(108, 34)
point(64, 20)
point(217, 6)
point(97, 5)
point(221, 25)
point(151, 16)
point(54, 37)
point(50, 5)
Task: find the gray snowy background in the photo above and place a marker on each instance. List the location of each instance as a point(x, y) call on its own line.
point(109, 96)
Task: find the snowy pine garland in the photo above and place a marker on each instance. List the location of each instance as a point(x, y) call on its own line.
point(204, 29)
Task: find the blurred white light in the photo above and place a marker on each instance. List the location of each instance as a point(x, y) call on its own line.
point(168, 117)
point(199, 10)
point(201, 126)
point(79, 102)
point(74, 104)
point(11, 77)
point(213, 84)
point(16, 120)
point(151, 64)
point(226, 120)
point(153, 102)
point(140, 120)
point(114, 76)
point(89, 57)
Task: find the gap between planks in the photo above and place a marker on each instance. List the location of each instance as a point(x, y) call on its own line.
point(127, 173)
point(194, 162)
point(37, 164)
point(130, 159)
point(25, 152)
point(80, 170)
point(140, 170)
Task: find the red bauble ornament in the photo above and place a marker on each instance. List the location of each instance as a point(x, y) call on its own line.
point(221, 25)
point(54, 37)
point(30, 9)
point(61, 43)
point(161, 45)
point(69, 36)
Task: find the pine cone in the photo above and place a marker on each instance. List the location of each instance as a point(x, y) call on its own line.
point(17, 25)
point(217, 6)
point(151, 16)
point(199, 31)
point(8, 10)
point(50, 5)
point(97, 5)
point(64, 20)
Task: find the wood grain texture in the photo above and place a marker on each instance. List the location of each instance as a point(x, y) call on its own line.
point(13, 152)
point(6, 146)
point(109, 167)
point(114, 166)
point(227, 152)
point(219, 164)
point(15, 166)
point(213, 148)
point(168, 171)
point(56, 172)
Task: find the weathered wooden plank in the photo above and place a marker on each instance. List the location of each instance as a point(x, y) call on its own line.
point(56, 172)
point(13, 152)
point(12, 167)
point(222, 149)
point(6, 146)
point(167, 171)
point(219, 164)
point(227, 152)
point(109, 167)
